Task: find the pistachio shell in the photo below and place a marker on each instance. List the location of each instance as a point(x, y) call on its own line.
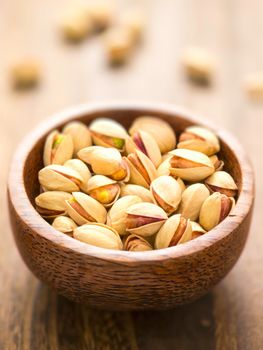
point(144, 219)
point(98, 235)
point(64, 224)
point(80, 135)
point(134, 21)
point(218, 164)
point(164, 167)
point(144, 142)
point(59, 178)
point(101, 13)
point(142, 170)
point(197, 230)
point(192, 199)
point(215, 209)
point(58, 148)
point(118, 45)
point(199, 139)
point(222, 182)
point(166, 193)
point(140, 191)
point(158, 128)
point(117, 214)
point(84, 209)
point(82, 169)
point(135, 243)
point(190, 165)
point(176, 230)
point(52, 204)
point(103, 189)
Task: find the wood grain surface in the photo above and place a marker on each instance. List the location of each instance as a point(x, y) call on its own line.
point(230, 317)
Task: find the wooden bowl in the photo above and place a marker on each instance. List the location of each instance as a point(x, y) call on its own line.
point(124, 280)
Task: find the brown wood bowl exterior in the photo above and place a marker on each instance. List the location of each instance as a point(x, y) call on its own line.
point(122, 280)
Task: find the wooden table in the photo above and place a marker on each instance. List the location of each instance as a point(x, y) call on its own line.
point(231, 316)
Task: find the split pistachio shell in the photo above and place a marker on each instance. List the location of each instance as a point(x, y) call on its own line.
point(190, 165)
point(82, 169)
point(145, 142)
point(192, 199)
point(176, 230)
point(59, 178)
point(158, 128)
point(98, 235)
point(215, 209)
point(58, 148)
point(64, 224)
point(106, 161)
point(84, 209)
point(117, 214)
point(167, 193)
point(164, 167)
point(199, 139)
point(140, 191)
point(142, 170)
point(218, 164)
point(135, 243)
point(144, 219)
point(108, 133)
point(197, 230)
point(80, 135)
point(222, 182)
point(52, 203)
point(103, 189)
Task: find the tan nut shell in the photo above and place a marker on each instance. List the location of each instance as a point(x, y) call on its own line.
point(140, 191)
point(53, 201)
point(64, 224)
point(136, 177)
point(164, 167)
point(147, 210)
point(218, 164)
point(207, 142)
point(134, 21)
point(64, 150)
point(97, 181)
point(222, 181)
point(135, 243)
point(98, 235)
point(169, 192)
point(192, 174)
point(166, 233)
point(192, 199)
point(150, 145)
point(197, 230)
point(158, 128)
point(90, 205)
point(82, 169)
point(80, 135)
point(52, 179)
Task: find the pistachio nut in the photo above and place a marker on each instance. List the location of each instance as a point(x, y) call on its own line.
point(142, 170)
point(166, 193)
point(64, 224)
point(197, 230)
point(190, 165)
point(158, 128)
point(117, 214)
point(140, 191)
point(176, 230)
point(144, 219)
point(98, 235)
point(108, 133)
point(215, 209)
point(52, 203)
point(106, 161)
point(144, 142)
point(82, 169)
point(101, 13)
point(84, 209)
point(80, 135)
point(59, 178)
point(58, 148)
point(218, 164)
point(222, 182)
point(135, 243)
point(164, 169)
point(134, 22)
point(103, 189)
point(199, 139)
point(192, 199)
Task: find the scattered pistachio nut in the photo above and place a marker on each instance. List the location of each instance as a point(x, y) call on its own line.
point(101, 13)
point(135, 243)
point(197, 230)
point(81, 168)
point(52, 203)
point(222, 182)
point(64, 224)
point(103, 189)
point(58, 148)
point(134, 21)
point(25, 74)
point(253, 85)
point(176, 230)
point(76, 24)
point(80, 135)
point(140, 191)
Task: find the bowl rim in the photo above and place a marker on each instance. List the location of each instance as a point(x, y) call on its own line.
point(26, 211)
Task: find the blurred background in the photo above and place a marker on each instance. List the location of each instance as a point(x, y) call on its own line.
point(230, 317)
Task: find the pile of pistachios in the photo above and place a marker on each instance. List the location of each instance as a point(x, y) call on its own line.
point(138, 190)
